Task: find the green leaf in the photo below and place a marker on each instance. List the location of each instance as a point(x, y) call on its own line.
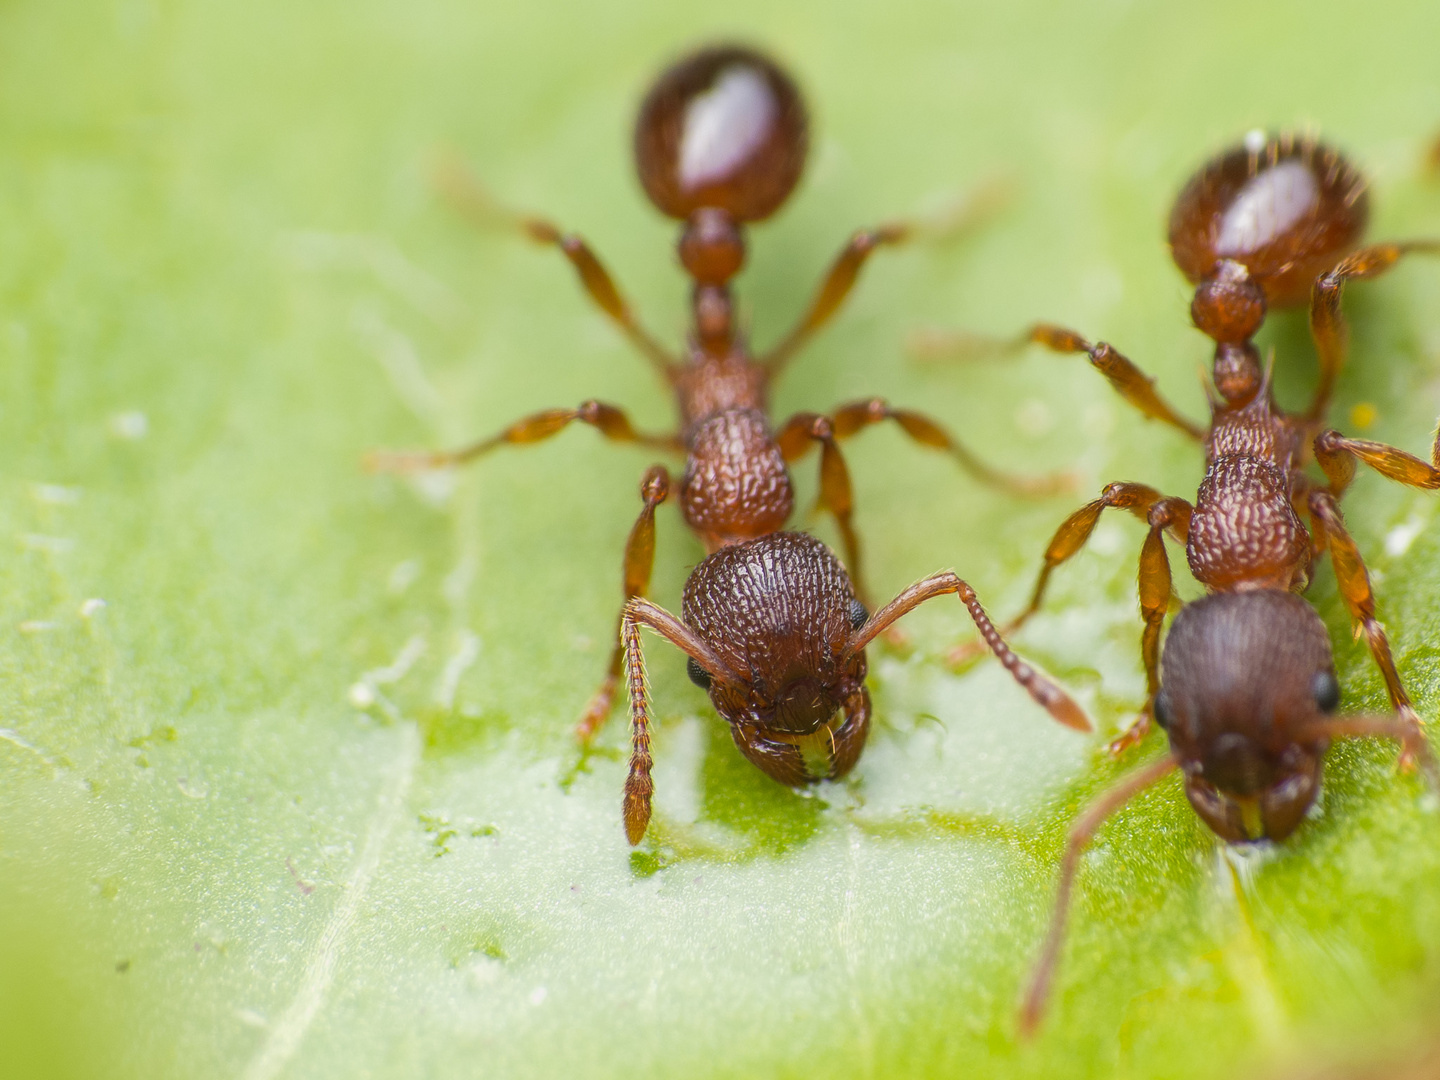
point(287, 786)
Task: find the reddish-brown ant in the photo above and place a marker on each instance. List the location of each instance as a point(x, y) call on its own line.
point(1246, 686)
point(772, 624)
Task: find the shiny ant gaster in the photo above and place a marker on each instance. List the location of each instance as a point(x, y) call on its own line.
point(772, 625)
point(1246, 686)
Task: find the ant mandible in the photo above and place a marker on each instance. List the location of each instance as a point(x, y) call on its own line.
point(1246, 688)
point(772, 624)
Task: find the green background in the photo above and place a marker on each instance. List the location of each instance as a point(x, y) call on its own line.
point(224, 276)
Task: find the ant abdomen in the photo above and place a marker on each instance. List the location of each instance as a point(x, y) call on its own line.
point(1284, 208)
point(724, 128)
point(1243, 674)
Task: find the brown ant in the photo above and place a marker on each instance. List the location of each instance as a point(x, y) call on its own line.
point(772, 624)
point(1246, 687)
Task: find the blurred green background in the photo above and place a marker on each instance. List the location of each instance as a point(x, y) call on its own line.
point(287, 786)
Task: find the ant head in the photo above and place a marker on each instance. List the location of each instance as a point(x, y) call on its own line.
point(778, 612)
point(1284, 208)
point(1241, 674)
point(723, 129)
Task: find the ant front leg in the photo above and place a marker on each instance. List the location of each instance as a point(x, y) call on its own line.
point(850, 419)
point(639, 562)
point(606, 419)
point(1327, 325)
point(1354, 583)
point(473, 202)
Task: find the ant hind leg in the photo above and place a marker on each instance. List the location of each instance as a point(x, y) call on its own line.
point(852, 418)
point(470, 198)
point(982, 201)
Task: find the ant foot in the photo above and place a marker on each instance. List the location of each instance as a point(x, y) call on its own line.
point(1131, 736)
point(597, 710)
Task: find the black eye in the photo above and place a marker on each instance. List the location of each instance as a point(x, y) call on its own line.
point(698, 675)
point(1326, 690)
point(858, 615)
point(1161, 711)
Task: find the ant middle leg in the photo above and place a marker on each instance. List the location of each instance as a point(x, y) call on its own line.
point(468, 196)
point(1327, 324)
point(610, 421)
point(852, 418)
point(1336, 455)
point(639, 562)
point(1354, 583)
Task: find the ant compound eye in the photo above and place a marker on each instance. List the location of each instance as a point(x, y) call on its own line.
point(1161, 711)
point(858, 615)
point(698, 675)
point(1326, 690)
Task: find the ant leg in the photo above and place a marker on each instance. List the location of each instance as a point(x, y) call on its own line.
point(1074, 531)
point(1337, 455)
point(836, 494)
point(606, 419)
point(639, 787)
point(1354, 582)
point(1081, 831)
point(850, 419)
point(473, 202)
point(1046, 693)
point(1129, 381)
point(1172, 515)
point(834, 290)
point(1380, 727)
point(984, 199)
point(1327, 324)
point(639, 561)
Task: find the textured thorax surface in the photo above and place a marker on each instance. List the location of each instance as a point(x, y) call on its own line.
point(1245, 532)
point(736, 486)
point(706, 386)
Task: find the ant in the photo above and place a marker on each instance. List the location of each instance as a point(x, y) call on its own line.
point(774, 627)
point(1246, 687)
